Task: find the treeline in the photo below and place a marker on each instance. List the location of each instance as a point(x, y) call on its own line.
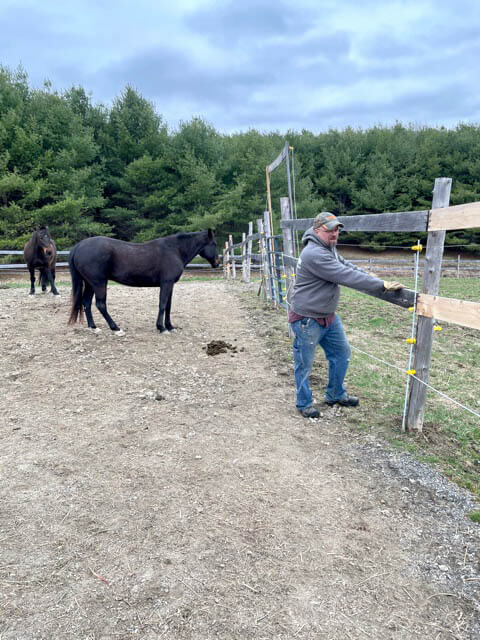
point(85, 169)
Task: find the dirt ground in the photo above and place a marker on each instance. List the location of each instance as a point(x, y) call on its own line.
point(150, 490)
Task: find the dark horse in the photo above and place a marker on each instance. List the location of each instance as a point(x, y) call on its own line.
point(158, 263)
point(40, 253)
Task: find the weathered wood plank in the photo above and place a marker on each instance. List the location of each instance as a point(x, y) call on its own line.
point(289, 261)
point(232, 257)
point(460, 216)
point(285, 213)
point(302, 224)
point(462, 312)
point(278, 160)
point(400, 221)
point(249, 238)
point(244, 257)
point(424, 336)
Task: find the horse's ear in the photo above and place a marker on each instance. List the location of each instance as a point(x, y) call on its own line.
point(211, 235)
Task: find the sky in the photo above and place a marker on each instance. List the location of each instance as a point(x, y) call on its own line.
point(271, 66)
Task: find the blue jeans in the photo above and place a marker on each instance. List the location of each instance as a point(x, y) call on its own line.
point(308, 334)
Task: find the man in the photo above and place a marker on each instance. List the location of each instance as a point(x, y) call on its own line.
point(320, 271)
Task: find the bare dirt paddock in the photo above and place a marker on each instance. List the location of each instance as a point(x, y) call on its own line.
point(150, 490)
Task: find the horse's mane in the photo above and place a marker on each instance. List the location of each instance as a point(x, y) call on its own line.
point(187, 234)
point(34, 239)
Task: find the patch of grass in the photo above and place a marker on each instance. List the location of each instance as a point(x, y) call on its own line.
point(474, 516)
point(186, 277)
point(451, 435)
point(14, 284)
point(377, 333)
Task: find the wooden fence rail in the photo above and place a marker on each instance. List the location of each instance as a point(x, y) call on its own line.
point(21, 267)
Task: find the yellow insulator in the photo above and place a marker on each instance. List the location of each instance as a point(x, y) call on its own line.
point(284, 277)
point(411, 308)
point(437, 328)
point(417, 247)
point(411, 372)
point(291, 148)
point(411, 341)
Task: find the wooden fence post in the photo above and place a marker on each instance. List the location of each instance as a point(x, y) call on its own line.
point(244, 257)
point(263, 265)
point(278, 271)
point(249, 249)
point(232, 256)
point(269, 255)
point(226, 263)
point(288, 246)
point(424, 336)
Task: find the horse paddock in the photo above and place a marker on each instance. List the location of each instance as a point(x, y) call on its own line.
point(151, 490)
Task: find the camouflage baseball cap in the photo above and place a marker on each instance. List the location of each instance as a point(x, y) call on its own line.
point(328, 220)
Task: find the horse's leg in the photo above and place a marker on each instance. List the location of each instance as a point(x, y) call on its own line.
point(32, 281)
point(101, 304)
point(43, 279)
point(87, 305)
point(164, 304)
point(168, 324)
point(50, 276)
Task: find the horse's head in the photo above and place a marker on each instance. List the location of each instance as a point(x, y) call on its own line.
point(209, 251)
point(45, 242)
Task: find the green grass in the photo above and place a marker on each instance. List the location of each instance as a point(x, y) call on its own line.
point(450, 440)
point(66, 282)
point(451, 434)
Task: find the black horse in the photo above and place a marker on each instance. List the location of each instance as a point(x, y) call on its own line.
point(40, 253)
point(158, 263)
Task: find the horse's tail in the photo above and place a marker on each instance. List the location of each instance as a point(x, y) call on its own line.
point(77, 291)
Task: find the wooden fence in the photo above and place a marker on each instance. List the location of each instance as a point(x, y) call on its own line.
point(21, 267)
point(278, 271)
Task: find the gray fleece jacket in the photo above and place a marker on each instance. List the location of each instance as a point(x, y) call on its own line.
point(320, 271)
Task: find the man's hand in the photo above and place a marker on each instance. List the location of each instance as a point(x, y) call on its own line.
point(390, 285)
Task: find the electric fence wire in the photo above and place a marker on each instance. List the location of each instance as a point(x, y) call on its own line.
point(440, 393)
point(388, 246)
point(392, 366)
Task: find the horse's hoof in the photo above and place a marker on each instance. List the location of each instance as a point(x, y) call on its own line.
point(119, 333)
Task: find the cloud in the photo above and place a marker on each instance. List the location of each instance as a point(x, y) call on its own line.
point(257, 64)
point(233, 23)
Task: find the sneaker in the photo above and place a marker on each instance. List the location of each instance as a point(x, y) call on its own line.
point(310, 412)
point(349, 401)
